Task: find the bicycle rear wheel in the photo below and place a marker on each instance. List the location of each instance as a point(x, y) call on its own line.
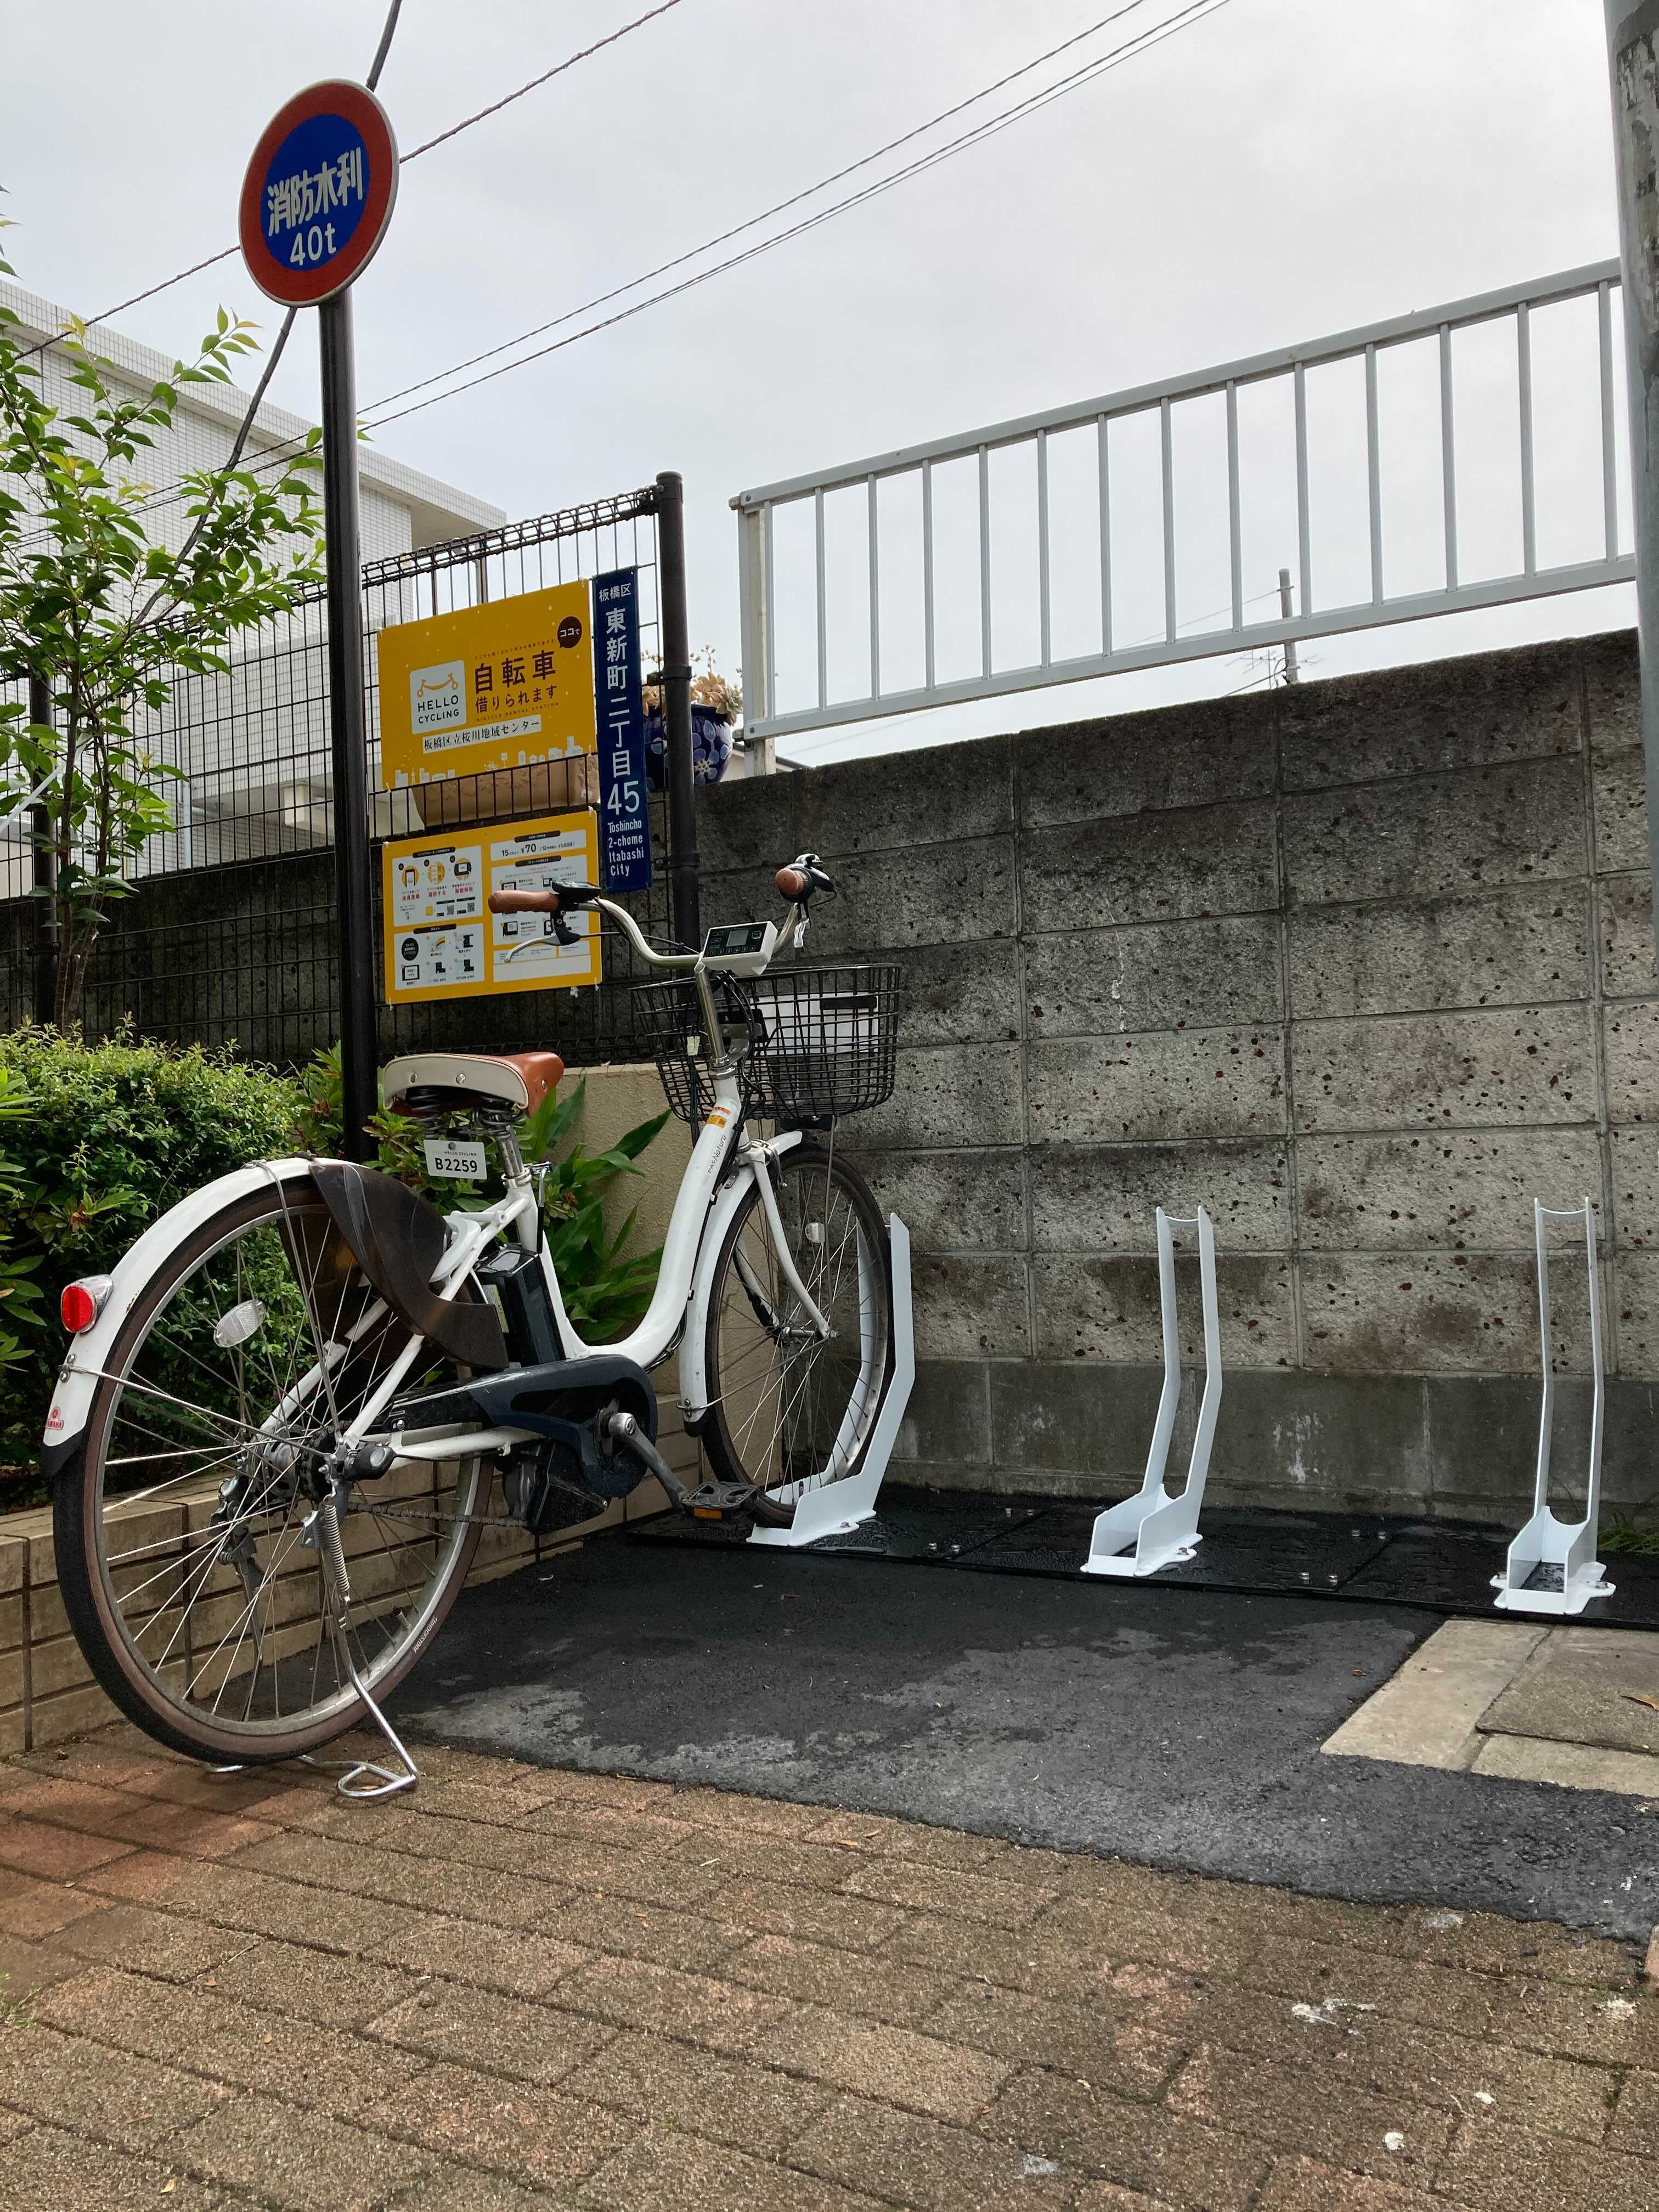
point(789, 1409)
point(190, 1578)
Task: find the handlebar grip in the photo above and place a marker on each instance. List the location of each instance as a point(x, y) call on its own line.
point(792, 883)
point(524, 903)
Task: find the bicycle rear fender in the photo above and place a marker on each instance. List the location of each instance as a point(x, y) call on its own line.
point(694, 1381)
point(78, 1376)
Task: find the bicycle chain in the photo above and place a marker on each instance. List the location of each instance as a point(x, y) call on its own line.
point(437, 1520)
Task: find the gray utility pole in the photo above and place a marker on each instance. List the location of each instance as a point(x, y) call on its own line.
point(1632, 36)
point(1292, 673)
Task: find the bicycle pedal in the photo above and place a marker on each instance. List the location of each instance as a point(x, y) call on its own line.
point(719, 1501)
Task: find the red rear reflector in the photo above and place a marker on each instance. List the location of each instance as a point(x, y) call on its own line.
point(78, 1308)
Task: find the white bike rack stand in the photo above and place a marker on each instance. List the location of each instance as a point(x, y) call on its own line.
point(834, 1509)
point(1545, 1542)
point(1162, 1530)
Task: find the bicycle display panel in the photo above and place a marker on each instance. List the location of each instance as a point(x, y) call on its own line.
point(739, 948)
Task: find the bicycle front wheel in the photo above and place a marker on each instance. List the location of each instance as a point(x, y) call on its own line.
point(790, 1407)
point(188, 1555)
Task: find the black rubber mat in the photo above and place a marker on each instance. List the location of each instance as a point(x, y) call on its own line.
point(915, 1527)
point(1444, 1566)
point(932, 1526)
point(1439, 1563)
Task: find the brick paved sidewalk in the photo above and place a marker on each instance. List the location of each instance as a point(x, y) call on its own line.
point(524, 1986)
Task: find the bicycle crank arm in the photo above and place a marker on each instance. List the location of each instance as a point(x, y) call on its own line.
point(631, 1439)
point(710, 1501)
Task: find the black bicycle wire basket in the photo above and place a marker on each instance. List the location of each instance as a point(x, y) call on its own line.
point(813, 1043)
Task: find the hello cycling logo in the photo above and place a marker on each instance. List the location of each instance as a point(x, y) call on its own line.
point(437, 696)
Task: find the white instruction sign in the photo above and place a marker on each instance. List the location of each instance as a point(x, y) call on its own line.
point(442, 941)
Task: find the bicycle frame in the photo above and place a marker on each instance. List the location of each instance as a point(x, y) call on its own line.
point(725, 1160)
point(708, 1197)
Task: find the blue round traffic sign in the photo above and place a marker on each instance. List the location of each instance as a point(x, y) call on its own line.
point(317, 193)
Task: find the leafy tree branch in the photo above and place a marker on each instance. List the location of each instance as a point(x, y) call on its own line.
point(97, 606)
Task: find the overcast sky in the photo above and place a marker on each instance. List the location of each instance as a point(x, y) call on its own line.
point(1285, 169)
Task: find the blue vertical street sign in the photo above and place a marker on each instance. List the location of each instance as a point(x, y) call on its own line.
point(624, 821)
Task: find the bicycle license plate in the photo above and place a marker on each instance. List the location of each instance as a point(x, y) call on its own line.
point(457, 1162)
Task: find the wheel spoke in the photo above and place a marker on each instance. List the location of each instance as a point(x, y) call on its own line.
point(793, 1408)
point(212, 1436)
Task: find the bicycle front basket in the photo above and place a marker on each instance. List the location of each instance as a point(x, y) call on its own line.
point(669, 1021)
point(820, 1042)
point(827, 1041)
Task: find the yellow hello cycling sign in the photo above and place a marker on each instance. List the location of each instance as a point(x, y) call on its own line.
point(497, 686)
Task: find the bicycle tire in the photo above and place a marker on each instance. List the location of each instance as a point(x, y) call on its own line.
point(729, 1434)
point(89, 1597)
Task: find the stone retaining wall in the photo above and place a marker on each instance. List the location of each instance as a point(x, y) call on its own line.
point(1361, 965)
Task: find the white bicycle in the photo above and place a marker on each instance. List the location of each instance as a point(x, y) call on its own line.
point(280, 1431)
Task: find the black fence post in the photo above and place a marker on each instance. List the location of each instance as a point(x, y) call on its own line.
point(685, 906)
point(44, 877)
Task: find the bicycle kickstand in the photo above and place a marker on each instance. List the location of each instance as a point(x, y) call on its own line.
point(337, 1597)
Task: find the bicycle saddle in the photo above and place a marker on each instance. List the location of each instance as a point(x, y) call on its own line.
point(430, 1080)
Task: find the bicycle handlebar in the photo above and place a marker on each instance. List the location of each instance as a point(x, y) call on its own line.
point(797, 882)
point(524, 903)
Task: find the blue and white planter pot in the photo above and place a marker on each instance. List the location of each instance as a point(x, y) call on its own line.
point(711, 747)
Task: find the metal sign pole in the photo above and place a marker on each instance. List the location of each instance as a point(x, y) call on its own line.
point(1633, 51)
point(316, 200)
point(676, 635)
point(354, 916)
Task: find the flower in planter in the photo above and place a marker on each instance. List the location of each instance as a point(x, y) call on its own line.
point(716, 704)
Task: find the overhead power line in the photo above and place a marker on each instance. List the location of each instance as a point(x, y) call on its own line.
point(413, 155)
point(546, 77)
point(778, 207)
point(385, 47)
point(1196, 11)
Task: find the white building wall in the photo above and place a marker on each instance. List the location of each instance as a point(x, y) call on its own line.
point(253, 742)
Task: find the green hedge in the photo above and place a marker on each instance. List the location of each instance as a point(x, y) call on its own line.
point(98, 1139)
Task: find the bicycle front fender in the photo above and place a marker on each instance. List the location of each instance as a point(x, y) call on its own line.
point(693, 1379)
point(79, 1375)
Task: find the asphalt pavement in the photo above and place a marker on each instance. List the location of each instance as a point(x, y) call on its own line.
point(1176, 1728)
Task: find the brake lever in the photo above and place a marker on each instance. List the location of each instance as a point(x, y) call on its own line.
point(563, 934)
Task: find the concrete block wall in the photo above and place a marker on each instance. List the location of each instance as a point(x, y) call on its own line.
point(1361, 965)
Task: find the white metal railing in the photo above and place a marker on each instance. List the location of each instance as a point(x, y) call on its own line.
point(1598, 423)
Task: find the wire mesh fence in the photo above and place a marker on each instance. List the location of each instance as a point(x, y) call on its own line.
point(229, 937)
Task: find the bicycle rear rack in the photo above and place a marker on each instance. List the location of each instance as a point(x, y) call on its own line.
point(1162, 1530)
point(1552, 1565)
